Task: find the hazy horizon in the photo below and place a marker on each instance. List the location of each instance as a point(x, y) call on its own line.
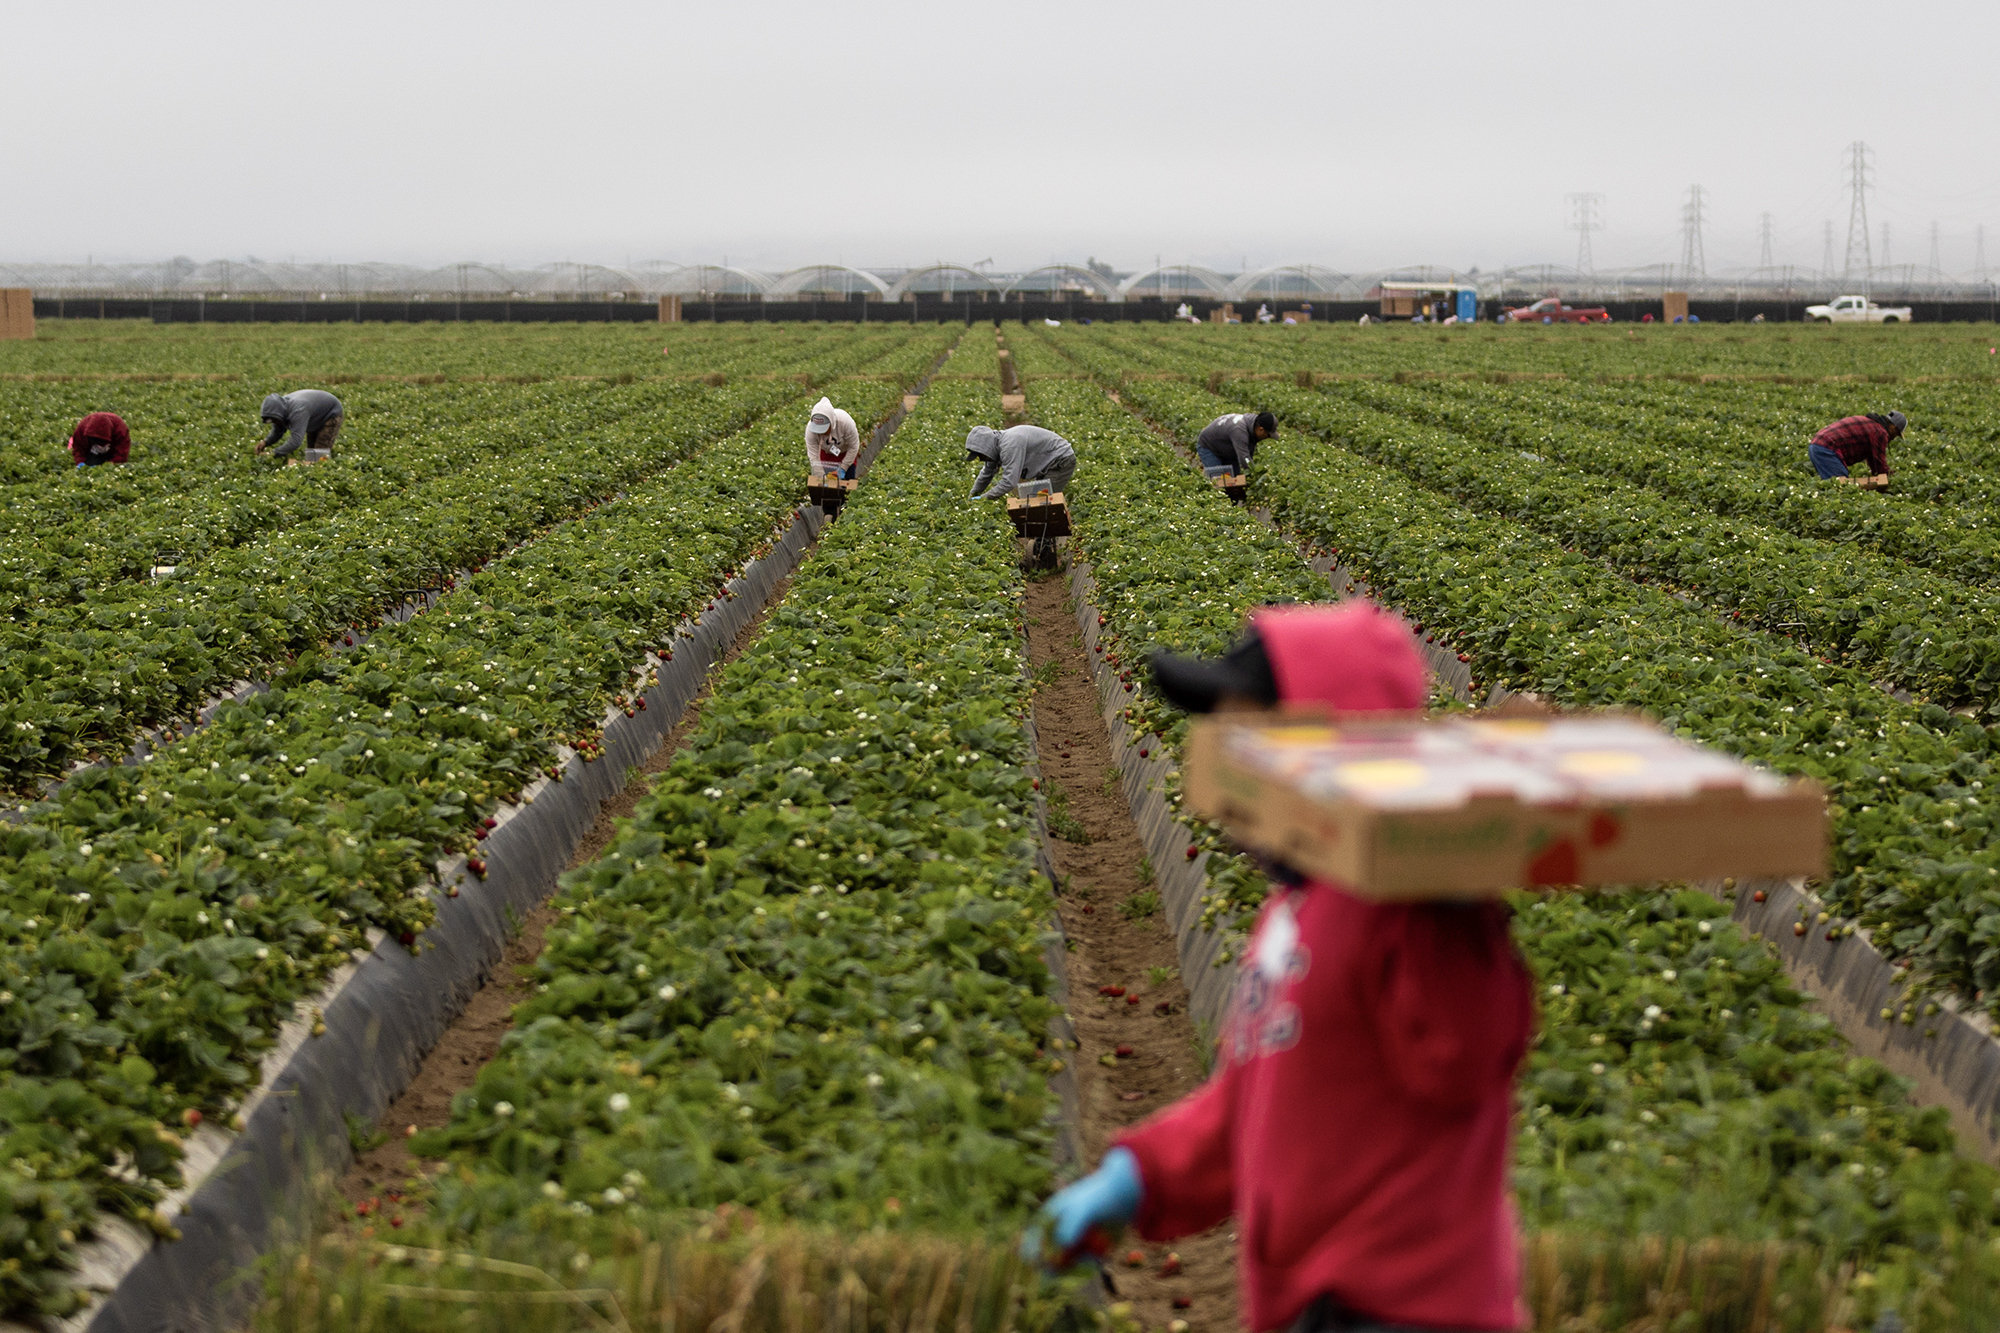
point(771, 135)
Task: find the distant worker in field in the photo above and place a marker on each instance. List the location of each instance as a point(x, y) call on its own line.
point(101, 437)
point(833, 441)
point(1856, 441)
point(1358, 1125)
point(1186, 312)
point(312, 417)
point(1017, 454)
point(1231, 441)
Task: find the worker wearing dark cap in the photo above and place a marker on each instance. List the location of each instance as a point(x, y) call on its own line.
point(1358, 1125)
point(1860, 440)
point(1231, 441)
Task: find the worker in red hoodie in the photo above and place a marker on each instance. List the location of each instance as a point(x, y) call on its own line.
point(99, 438)
point(1358, 1125)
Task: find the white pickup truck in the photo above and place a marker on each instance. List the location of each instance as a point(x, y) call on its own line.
point(1858, 310)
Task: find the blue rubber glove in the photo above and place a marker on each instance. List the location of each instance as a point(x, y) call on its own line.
point(1108, 1197)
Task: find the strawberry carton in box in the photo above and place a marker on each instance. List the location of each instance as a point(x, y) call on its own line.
point(1462, 807)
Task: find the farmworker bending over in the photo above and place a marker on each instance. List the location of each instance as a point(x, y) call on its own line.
point(1358, 1123)
point(1018, 454)
point(100, 437)
point(1852, 440)
point(1231, 441)
point(833, 441)
point(313, 416)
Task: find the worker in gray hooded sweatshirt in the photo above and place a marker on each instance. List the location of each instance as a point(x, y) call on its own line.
point(313, 416)
point(1018, 454)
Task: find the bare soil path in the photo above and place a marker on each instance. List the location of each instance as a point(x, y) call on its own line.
point(1118, 936)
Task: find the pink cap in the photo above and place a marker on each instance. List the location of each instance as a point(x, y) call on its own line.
point(1352, 657)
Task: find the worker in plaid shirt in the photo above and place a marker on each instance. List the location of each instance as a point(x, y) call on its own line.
point(1851, 440)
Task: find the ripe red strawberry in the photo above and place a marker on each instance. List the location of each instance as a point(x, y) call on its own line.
point(479, 833)
point(1135, 1258)
point(1798, 928)
point(190, 1117)
point(1464, 658)
point(642, 702)
point(1145, 753)
point(1122, 1052)
point(1128, 687)
point(1182, 1302)
point(1758, 896)
point(407, 938)
point(489, 822)
point(1113, 991)
point(1193, 851)
point(1171, 1266)
point(1131, 999)
point(350, 641)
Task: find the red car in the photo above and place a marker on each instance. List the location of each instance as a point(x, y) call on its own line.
point(1551, 310)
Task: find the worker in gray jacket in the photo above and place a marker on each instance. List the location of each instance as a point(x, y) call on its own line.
point(312, 416)
point(1231, 441)
point(1018, 454)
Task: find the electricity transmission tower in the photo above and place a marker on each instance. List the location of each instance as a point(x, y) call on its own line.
point(1583, 220)
point(1764, 241)
point(1857, 209)
point(1935, 265)
point(1694, 264)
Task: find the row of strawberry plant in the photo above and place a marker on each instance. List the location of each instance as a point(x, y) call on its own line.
point(160, 921)
point(336, 353)
point(1932, 636)
point(1677, 1084)
point(71, 533)
point(1958, 542)
point(86, 679)
point(1929, 634)
point(808, 977)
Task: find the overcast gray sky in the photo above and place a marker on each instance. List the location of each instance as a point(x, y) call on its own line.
point(781, 132)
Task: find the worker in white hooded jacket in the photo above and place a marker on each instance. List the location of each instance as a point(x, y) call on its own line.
point(833, 441)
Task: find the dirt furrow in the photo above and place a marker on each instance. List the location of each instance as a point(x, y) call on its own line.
point(1118, 939)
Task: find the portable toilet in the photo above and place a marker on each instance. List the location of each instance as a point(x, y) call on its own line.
point(1468, 306)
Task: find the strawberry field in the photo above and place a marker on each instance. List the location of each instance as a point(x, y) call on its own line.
point(811, 975)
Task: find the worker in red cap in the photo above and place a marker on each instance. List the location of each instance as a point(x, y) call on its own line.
point(1358, 1125)
point(100, 437)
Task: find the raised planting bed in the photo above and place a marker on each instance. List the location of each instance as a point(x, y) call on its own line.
point(811, 977)
point(164, 918)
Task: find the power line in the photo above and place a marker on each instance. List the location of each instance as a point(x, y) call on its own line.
point(1885, 245)
point(1857, 209)
point(1694, 263)
point(1936, 266)
point(1764, 241)
point(1583, 220)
